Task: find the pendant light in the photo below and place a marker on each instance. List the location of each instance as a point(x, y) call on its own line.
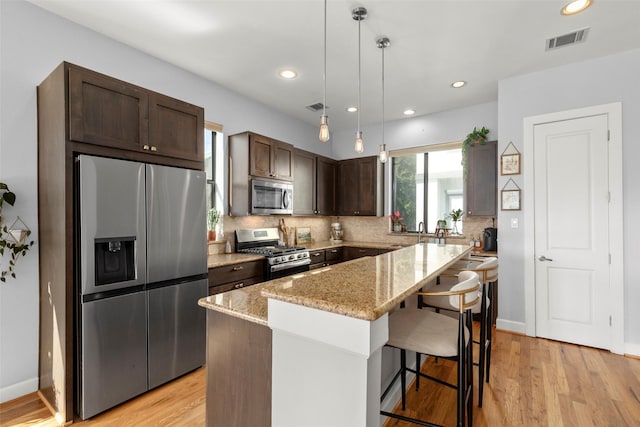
point(324, 126)
point(359, 14)
point(383, 43)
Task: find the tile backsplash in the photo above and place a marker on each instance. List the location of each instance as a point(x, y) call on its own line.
point(356, 228)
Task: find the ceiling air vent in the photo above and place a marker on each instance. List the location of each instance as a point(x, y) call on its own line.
point(315, 107)
point(567, 39)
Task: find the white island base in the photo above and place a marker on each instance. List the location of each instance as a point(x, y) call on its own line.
point(325, 368)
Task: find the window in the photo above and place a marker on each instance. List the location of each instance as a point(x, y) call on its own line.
point(440, 168)
point(213, 165)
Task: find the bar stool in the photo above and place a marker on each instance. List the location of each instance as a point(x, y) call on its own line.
point(430, 333)
point(487, 269)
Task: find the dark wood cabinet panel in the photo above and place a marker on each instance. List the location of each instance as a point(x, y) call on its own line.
point(314, 184)
point(304, 183)
point(360, 186)
point(176, 128)
point(317, 259)
point(481, 181)
point(326, 175)
point(236, 272)
point(106, 111)
point(351, 252)
point(261, 156)
point(334, 255)
point(270, 158)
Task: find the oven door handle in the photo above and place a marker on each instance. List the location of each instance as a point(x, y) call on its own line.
point(291, 264)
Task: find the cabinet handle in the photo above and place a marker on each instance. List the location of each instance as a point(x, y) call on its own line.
point(145, 147)
point(468, 212)
point(316, 254)
point(362, 251)
point(154, 148)
point(334, 251)
point(237, 268)
point(239, 285)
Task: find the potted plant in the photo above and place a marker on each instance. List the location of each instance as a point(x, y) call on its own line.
point(212, 219)
point(476, 136)
point(396, 222)
point(455, 215)
point(12, 239)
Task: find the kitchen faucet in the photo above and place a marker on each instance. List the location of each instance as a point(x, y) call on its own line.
point(420, 231)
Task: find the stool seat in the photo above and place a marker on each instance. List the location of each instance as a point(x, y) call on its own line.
point(409, 327)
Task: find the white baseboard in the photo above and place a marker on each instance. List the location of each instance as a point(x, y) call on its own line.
point(511, 326)
point(14, 391)
point(632, 349)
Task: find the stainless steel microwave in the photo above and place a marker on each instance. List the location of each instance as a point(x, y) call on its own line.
point(270, 197)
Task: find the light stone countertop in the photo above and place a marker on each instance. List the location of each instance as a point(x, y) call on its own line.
point(363, 288)
point(220, 260)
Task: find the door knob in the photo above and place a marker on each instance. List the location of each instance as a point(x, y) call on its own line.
point(544, 258)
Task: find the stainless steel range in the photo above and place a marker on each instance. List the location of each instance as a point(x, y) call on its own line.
point(280, 260)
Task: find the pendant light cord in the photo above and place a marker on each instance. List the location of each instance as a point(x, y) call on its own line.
point(324, 73)
point(383, 95)
point(359, 74)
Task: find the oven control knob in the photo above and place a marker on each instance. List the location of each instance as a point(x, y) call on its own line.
point(277, 260)
point(292, 257)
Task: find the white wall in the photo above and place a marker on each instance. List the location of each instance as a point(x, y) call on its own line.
point(601, 81)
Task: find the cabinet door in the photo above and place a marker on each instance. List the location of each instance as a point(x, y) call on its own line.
point(367, 185)
point(304, 184)
point(176, 128)
point(348, 187)
point(107, 111)
point(261, 156)
point(353, 253)
point(283, 163)
point(326, 173)
point(481, 181)
point(317, 259)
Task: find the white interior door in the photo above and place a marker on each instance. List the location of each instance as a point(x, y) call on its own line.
point(571, 231)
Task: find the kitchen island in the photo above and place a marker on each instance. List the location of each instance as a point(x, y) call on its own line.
point(278, 351)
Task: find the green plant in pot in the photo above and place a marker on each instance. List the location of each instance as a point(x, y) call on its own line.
point(476, 136)
point(455, 215)
point(12, 239)
point(213, 215)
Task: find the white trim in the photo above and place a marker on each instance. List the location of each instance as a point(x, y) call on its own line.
point(616, 270)
point(14, 391)
point(632, 349)
point(510, 326)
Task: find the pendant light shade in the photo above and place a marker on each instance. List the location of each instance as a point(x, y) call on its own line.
point(383, 43)
point(359, 14)
point(324, 125)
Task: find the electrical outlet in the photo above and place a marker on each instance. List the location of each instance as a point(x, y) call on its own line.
point(514, 222)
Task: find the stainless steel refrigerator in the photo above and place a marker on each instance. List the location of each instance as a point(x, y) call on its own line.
point(142, 266)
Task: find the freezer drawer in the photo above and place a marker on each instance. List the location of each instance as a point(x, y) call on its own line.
point(113, 365)
point(177, 337)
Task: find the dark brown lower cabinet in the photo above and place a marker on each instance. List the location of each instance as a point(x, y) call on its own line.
point(354, 252)
point(238, 372)
point(229, 277)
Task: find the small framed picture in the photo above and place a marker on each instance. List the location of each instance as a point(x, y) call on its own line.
point(510, 200)
point(303, 235)
point(510, 164)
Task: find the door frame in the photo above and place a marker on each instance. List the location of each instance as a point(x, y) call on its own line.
point(616, 271)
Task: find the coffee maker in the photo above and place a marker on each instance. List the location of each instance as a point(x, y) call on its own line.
point(490, 237)
point(336, 232)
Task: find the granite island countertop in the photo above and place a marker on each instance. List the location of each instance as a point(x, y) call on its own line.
point(363, 288)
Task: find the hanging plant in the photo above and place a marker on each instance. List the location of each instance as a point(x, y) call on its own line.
point(476, 136)
point(13, 239)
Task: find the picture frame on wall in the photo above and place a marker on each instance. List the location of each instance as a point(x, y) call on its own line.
point(510, 164)
point(303, 235)
point(510, 200)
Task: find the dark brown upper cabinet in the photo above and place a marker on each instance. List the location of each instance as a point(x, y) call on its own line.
point(111, 113)
point(314, 183)
point(270, 158)
point(480, 192)
point(360, 186)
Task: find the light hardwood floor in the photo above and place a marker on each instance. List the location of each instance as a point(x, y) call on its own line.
point(534, 382)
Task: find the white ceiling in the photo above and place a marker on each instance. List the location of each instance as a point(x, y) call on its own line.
point(241, 44)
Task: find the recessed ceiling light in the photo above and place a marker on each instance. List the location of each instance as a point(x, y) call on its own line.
point(458, 84)
point(409, 112)
point(575, 6)
point(352, 109)
point(288, 73)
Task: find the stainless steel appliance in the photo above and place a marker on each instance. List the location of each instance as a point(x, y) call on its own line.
point(271, 197)
point(280, 260)
point(142, 268)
